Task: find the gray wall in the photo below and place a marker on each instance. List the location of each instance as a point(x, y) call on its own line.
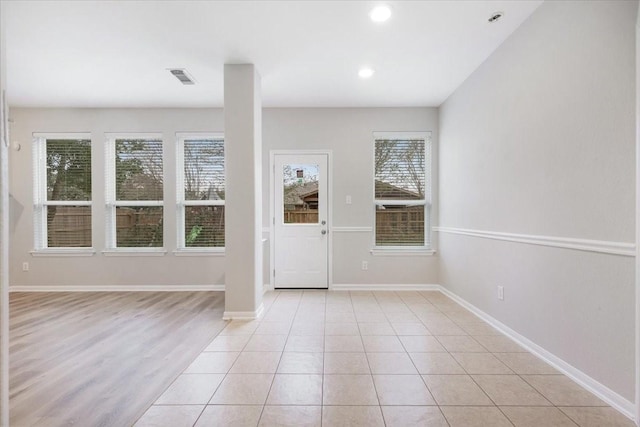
point(348, 132)
point(540, 141)
point(637, 412)
point(4, 236)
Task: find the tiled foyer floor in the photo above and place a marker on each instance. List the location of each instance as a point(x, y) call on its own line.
point(371, 359)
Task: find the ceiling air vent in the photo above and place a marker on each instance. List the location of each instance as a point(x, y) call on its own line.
point(495, 16)
point(181, 74)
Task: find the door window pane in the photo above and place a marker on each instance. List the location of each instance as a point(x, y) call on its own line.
point(300, 187)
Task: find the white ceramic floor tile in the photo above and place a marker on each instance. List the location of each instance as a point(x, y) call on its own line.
point(402, 390)
point(301, 363)
point(191, 389)
point(296, 389)
point(371, 358)
point(291, 416)
point(243, 389)
point(230, 416)
point(404, 416)
point(352, 416)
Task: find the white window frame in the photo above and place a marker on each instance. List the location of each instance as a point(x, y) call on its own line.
point(181, 203)
point(111, 203)
point(425, 249)
point(40, 201)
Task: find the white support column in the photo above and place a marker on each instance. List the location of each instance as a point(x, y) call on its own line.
point(243, 205)
point(637, 373)
point(4, 231)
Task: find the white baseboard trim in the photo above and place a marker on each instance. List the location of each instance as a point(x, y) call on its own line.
point(618, 402)
point(118, 288)
point(383, 287)
point(243, 315)
point(598, 246)
point(268, 287)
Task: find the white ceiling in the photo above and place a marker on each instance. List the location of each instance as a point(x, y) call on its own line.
point(115, 53)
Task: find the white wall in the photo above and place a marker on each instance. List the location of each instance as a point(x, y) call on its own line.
point(348, 132)
point(540, 141)
point(637, 412)
point(4, 235)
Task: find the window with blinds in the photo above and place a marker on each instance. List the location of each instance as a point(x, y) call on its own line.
point(62, 191)
point(201, 191)
point(135, 192)
point(402, 190)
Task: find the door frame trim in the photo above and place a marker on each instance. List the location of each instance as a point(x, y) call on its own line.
point(272, 211)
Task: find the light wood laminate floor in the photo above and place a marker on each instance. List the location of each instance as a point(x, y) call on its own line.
point(101, 358)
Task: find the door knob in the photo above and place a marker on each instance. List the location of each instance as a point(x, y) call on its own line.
point(323, 222)
point(324, 232)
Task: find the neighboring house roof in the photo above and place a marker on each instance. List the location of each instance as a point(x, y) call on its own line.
point(384, 190)
point(296, 195)
point(139, 183)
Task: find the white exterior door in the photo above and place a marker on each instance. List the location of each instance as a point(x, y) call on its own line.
point(301, 229)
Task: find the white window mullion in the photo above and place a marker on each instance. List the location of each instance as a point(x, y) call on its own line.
point(180, 205)
point(203, 202)
point(110, 194)
point(427, 225)
point(133, 203)
point(39, 182)
point(67, 203)
point(399, 202)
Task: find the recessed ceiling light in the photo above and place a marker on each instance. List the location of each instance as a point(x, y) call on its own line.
point(380, 13)
point(365, 72)
point(495, 16)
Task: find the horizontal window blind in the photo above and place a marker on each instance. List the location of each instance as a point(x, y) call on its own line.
point(400, 188)
point(400, 225)
point(138, 169)
point(67, 186)
point(400, 169)
point(139, 226)
point(203, 192)
point(204, 226)
point(135, 193)
point(68, 169)
point(204, 169)
point(68, 226)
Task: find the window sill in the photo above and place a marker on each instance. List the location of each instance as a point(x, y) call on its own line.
point(199, 252)
point(135, 252)
point(395, 251)
point(62, 252)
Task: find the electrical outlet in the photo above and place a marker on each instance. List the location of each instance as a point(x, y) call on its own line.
point(501, 293)
point(348, 200)
point(25, 266)
point(365, 265)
